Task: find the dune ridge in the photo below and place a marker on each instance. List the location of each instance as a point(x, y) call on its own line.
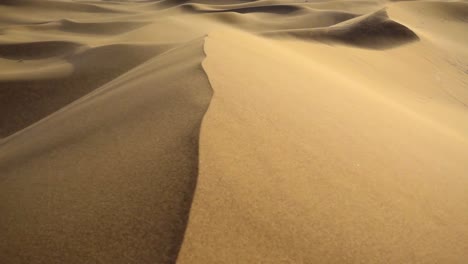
point(121, 200)
point(352, 190)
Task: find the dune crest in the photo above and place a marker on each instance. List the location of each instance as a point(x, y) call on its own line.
point(137, 101)
point(308, 174)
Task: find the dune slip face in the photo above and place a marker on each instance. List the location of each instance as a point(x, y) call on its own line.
point(234, 131)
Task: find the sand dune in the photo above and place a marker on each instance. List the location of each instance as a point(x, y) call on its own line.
point(126, 198)
point(26, 100)
point(94, 28)
point(374, 30)
point(203, 131)
point(323, 179)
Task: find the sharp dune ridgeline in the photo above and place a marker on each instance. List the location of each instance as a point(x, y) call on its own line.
point(204, 131)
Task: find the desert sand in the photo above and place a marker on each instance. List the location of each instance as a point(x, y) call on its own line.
point(204, 131)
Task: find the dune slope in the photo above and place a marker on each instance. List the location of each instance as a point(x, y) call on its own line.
point(316, 167)
point(109, 178)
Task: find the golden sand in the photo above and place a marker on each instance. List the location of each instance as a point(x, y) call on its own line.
point(235, 131)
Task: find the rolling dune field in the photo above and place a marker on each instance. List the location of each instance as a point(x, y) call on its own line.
point(233, 131)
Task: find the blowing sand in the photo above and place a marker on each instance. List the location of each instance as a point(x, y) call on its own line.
point(233, 131)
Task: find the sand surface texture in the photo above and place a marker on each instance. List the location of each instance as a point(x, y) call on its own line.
point(236, 131)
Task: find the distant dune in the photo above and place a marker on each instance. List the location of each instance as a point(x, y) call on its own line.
point(203, 131)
